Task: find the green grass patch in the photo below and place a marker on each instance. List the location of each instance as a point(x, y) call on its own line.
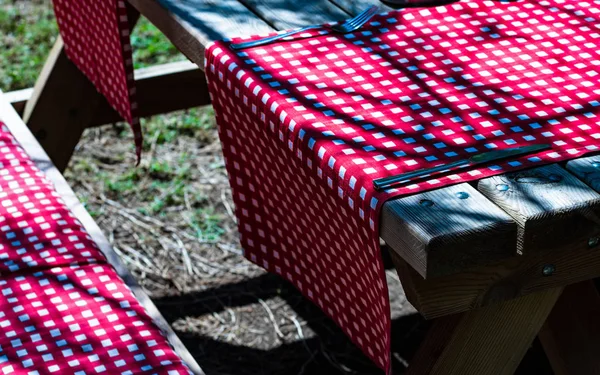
point(208, 224)
point(28, 30)
point(151, 47)
point(197, 123)
point(123, 183)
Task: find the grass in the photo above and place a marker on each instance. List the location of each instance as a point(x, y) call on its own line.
point(28, 30)
point(151, 47)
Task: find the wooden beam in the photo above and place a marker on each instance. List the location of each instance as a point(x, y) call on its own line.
point(61, 106)
point(161, 89)
point(571, 334)
point(557, 219)
point(487, 341)
point(18, 99)
point(354, 7)
point(448, 230)
point(499, 282)
point(192, 24)
point(37, 154)
point(552, 208)
point(587, 170)
point(284, 14)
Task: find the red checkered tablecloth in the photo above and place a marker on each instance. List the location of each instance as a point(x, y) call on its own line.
point(307, 124)
point(63, 308)
point(96, 38)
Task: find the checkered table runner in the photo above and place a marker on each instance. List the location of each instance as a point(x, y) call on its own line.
point(307, 124)
point(63, 308)
point(96, 38)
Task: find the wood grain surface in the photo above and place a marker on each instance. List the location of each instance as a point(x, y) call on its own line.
point(192, 24)
point(552, 208)
point(486, 341)
point(587, 170)
point(499, 282)
point(284, 14)
point(354, 7)
point(447, 230)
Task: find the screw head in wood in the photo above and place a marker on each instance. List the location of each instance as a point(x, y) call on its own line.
point(596, 163)
point(426, 202)
point(462, 195)
point(593, 242)
point(502, 187)
point(548, 270)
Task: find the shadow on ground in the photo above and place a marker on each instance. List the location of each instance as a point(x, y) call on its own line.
point(328, 352)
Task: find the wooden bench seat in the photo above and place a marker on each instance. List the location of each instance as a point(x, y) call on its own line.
point(66, 302)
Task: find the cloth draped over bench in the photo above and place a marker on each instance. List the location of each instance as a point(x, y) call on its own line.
point(63, 308)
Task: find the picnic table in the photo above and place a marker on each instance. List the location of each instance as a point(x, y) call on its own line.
point(495, 262)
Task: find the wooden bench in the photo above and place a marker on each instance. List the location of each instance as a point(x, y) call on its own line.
point(488, 260)
point(62, 281)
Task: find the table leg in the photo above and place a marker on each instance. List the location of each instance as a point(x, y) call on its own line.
point(571, 334)
point(61, 107)
point(488, 341)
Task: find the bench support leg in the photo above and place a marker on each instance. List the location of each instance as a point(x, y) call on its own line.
point(488, 341)
point(61, 107)
point(571, 334)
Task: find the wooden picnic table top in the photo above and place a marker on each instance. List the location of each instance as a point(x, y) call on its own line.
point(454, 234)
point(514, 234)
point(192, 24)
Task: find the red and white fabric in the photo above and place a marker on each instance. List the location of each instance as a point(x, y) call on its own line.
point(307, 124)
point(63, 308)
point(96, 37)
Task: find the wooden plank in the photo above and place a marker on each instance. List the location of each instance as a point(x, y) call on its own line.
point(285, 14)
point(587, 170)
point(487, 341)
point(447, 230)
point(161, 89)
point(571, 260)
point(552, 208)
point(354, 7)
point(571, 334)
point(19, 98)
point(61, 106)
point(43, 162)
point(192, 24)
point(499, 282)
